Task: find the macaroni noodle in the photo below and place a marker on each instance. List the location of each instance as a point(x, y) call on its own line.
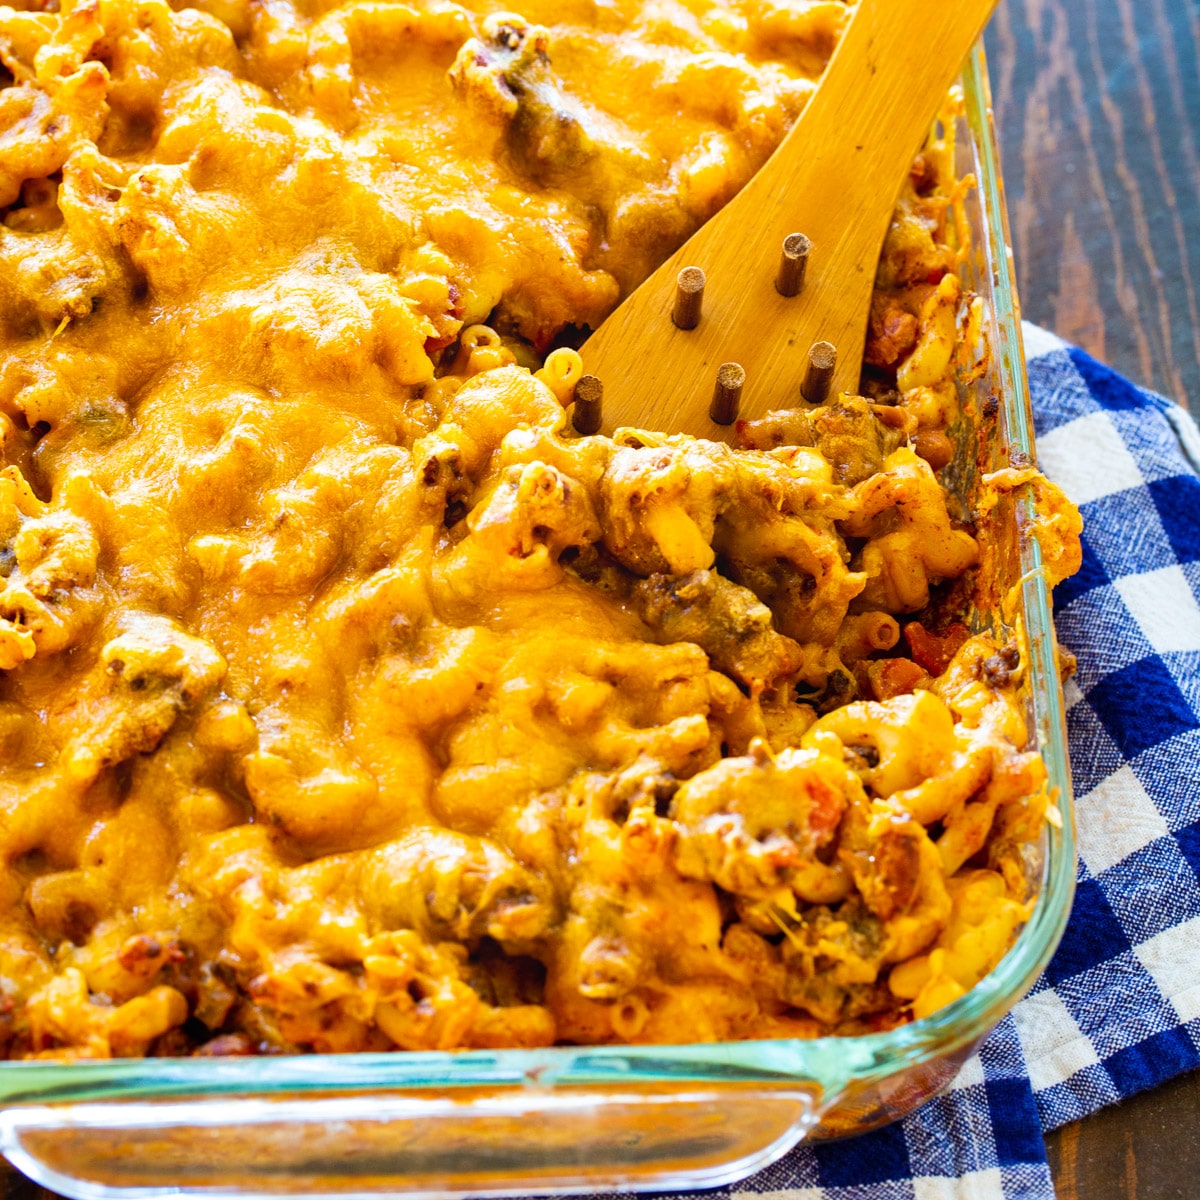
point(348, 700)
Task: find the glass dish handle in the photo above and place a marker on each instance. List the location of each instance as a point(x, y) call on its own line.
point(447, 1143)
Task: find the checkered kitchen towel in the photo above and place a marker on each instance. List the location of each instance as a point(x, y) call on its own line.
point(1118, 1009)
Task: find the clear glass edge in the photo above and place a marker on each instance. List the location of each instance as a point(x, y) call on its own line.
point(14, 1123)
point(834, 1065)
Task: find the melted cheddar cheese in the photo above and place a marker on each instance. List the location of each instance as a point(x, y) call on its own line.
point(348, 700)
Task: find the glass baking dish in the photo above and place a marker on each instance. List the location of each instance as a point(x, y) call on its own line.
point(585, 1119)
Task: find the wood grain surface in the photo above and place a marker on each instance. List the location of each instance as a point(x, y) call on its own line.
point(1145, 1149)
point(1098, 107)
point(1098, 103)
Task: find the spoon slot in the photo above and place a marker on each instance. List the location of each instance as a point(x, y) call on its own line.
point(589, 400)
point(792, 263)
point(689, 297)
point(822, 362)
point(727, 395)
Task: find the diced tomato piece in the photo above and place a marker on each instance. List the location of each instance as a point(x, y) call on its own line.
point(933, 651)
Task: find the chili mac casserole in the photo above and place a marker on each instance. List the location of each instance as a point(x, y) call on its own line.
point(349, 700)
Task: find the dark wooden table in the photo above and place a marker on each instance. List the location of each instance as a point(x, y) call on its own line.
point(1098, 103)
point(1098, 106)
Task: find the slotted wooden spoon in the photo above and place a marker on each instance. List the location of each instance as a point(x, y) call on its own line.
point(834, 179)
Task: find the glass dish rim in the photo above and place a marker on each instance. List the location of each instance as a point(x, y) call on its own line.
point(832, 1062)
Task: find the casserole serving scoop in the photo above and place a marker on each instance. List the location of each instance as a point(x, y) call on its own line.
point(714, 321)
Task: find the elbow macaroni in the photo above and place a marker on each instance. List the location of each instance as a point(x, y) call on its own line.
point(348, 701)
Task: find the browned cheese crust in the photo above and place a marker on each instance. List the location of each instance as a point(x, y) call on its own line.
point(348, 701)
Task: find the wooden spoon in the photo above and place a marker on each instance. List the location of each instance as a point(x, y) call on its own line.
point(834, 179)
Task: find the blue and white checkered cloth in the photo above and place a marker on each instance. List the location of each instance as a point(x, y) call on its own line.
point(1118, 1009)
